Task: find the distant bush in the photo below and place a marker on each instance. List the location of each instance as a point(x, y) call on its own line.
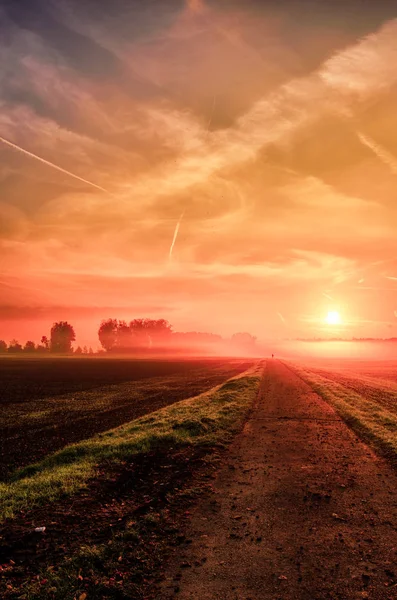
point(29, 347)
point(14, 347)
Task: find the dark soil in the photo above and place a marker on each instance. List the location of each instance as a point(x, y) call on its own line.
point(29, 378)
point(27, 442)
point(156, 484)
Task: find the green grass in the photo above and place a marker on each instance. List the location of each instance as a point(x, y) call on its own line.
point(371, 421)
point(212, 417)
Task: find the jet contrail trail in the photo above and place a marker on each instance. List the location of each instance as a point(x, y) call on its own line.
point(386, 157)
point(176, 233)
point(327, 296)
point(50, 164)
point(280, 316)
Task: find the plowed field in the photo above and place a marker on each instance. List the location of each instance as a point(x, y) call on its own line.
point(48, 403)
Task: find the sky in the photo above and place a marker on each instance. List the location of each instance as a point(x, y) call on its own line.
point(227, 165)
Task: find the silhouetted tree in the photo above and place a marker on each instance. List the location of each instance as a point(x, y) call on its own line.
point(85, 350)
point(124, 338)
point(45, 342)
point(78, 350)
point(139, 333)
point(149, 332)
point(90, 350)
point(3, 347)
point(107, 334)
point(29, 346)
point(62, 336)
point(154, 327)
point(14, 346)
point(243, 338)
point(244, 341)
point(197, 342)
point(196, 337)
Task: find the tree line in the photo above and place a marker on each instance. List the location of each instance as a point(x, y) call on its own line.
point(118, 336)
point(60, 341)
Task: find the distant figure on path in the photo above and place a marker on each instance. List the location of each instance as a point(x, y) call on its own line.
point(272, 355)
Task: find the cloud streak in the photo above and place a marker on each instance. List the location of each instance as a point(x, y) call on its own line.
point(386, 157)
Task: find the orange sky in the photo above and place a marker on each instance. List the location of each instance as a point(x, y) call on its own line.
point(226, 165)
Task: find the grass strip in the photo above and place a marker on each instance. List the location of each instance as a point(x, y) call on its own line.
point(210, 418)
point(369, 420)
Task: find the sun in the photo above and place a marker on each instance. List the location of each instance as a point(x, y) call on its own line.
point(333, 318)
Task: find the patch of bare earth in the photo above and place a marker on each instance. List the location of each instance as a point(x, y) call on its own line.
point(302, 510)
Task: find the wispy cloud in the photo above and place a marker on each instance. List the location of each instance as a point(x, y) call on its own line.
point(197, 119)
point(386, 157)
point(365, 68)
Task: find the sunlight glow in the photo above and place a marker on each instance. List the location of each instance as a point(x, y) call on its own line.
point(333, 318)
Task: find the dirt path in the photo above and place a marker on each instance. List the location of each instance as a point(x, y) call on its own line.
point(302, 510)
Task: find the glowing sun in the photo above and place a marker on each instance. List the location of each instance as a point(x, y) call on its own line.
point(333, 318)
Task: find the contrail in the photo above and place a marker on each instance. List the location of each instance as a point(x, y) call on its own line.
point(176, 233)
point(280, 316)
point(50, 164)
point(386, 157)
point(327, 296)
